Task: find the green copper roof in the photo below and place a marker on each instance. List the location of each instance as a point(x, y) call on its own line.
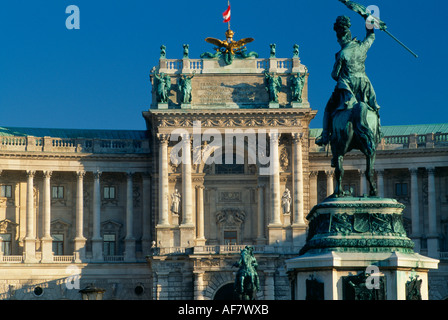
point(74, 133)
point(403, 130)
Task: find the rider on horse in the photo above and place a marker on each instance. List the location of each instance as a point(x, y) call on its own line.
point(353, 86)
point(247, 271)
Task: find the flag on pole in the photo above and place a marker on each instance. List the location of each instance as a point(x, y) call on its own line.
point(226, 15)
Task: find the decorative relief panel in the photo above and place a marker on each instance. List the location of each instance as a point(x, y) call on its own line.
point(230, 196)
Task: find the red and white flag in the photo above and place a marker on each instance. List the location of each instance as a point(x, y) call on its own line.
point(226, 15)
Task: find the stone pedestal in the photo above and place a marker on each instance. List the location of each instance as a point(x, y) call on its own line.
point(187, 235)
point(47, 249)
point(357, 249)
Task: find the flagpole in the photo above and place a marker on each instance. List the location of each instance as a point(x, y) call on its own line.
point(228, 23)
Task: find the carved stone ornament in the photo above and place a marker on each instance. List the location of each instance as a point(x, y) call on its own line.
point(230, 217)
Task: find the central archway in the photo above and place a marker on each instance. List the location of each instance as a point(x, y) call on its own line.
point(225, 292)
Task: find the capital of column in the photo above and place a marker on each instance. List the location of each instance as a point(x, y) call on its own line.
point(47, 174)
point(163, 138)
point(130, 174)
point(431, 170)
point(30, 173)
point(329, 173)
point(313, 174)
point(274, 136)
point(200, 187)
point(80, 174)
point(297, 137)
point(97, 174)
point(261, 186)
point(413, 171)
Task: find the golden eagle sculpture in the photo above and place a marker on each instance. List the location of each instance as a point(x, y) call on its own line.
point(229, 45)
point(229, 48)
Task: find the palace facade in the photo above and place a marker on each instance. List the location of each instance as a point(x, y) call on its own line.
point(163, 213)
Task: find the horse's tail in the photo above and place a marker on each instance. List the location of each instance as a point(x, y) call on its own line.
point(366, 134)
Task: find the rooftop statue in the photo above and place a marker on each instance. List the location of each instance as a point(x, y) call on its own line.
point(163, 86)
point(351, 117)
point(273, 85)
point(185, 87)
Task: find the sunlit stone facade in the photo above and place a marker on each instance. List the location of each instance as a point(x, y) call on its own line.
point(81, 207)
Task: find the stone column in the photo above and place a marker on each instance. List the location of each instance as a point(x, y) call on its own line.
point(380, 178)
point(214, 236)
point(269, 285)
point(187, 188)
point(275, 226)
point(297, 179)
point(146, 212)
point(433, 238)
point(200, 240)
point(47, 246)
point(415, 210)
point(80, 241)
point(330, 182)
point(362, 183)
point(198, 285)
point(129, 253)
point(261, 239)
point(163, 179)
point(97, 241)
point(313, 188)
point(187, 228)
point(30, 238)
point(274, 180)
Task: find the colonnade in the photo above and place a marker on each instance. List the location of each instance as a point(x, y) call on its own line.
point(79, 241)
point(274, 208)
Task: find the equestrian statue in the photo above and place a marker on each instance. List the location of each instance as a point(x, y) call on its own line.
point(351, 118)
point(247, 283)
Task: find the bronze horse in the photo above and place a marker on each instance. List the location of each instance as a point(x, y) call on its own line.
point(356, 128)
point(246, 281)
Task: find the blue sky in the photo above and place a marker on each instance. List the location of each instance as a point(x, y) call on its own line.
point(97, 77)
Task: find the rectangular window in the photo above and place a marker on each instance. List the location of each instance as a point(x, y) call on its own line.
point(57, 192)
point(401, 189)
point(109, 192)
point(6, 243)
point(58, 244)
point(109, 244)
point(230, 237)
point(6, 191)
